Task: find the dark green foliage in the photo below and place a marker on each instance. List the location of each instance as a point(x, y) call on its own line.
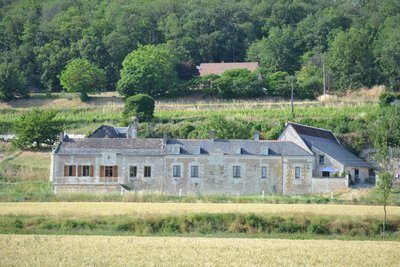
point(141, 106)
point(41, 37)
point(36, 127)
point(12, 83)
point(386, 98)
point(237, 83)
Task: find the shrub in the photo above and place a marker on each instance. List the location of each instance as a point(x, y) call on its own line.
point(386, 98)
point(141, 106)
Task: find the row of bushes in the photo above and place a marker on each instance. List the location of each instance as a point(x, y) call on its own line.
point(201, 224)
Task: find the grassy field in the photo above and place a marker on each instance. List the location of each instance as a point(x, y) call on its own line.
point(75, 209)
point(36, 250)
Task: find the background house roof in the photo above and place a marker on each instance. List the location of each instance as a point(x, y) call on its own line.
point(219, 68)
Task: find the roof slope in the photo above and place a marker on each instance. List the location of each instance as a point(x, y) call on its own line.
point(336, 151)
point(326, 142)
point(119, 145)
point(105, 131)
point(153, 146)
point(313, 131)
point(248, 147)
point(219, 68)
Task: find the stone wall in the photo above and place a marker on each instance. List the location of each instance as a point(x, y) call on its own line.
point(327, 185)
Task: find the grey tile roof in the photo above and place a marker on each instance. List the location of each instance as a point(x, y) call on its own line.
point(105, 131)
point(119, 145)
point(313, 131)
point(248, 147)
point(336, 151)
point(153, 146)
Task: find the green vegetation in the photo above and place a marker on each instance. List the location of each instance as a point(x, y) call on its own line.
point(81, 75)
point(162, 41)
point(141, 106)
point(12, 83)
point(202, 224)
point(148, 70)
point(36, 127)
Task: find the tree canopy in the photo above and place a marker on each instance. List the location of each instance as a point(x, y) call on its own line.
point(81, 75)
point(359, 39)
point(36, 127)
point(150, 69)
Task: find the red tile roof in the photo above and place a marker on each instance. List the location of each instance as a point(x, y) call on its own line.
point(219, 68)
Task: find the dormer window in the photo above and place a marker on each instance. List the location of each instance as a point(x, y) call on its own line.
point(176, 149)
point(264, 150)
point(237, 150)
point(196, 150)
point(321, 159)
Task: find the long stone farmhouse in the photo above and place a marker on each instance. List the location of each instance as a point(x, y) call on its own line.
point(303, 160)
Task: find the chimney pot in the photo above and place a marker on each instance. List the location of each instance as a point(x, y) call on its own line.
point(256, 136)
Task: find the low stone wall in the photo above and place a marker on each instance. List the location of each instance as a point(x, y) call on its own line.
point(86, 188)
point(326, 185)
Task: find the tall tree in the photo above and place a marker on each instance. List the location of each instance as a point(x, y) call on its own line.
point(81, 75)
point(150, 70)
point(278, 52)
point(12, 82)
point(351, 60)
point(387, 51)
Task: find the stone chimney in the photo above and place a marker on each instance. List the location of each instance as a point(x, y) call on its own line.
point(211, 135)
point(165, 138)
point(61, 136)
point(132, 129)
point(256, 136)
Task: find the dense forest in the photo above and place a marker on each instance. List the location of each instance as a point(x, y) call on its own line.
point(357, 42)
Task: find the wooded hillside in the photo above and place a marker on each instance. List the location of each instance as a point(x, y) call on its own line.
point(359, 40)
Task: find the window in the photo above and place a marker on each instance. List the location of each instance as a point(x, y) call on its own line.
point(108, 171)
point(194, 171)
point(297, 172)
point(132, 171)
point(176, 171)
point(321, 159)
point(263, 172)
point(71, 170)
point(236, 171)
point(326, 174)
point(147, 171)
point(85, 170)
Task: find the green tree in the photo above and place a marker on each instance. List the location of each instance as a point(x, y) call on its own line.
point(80, 75)
point(278, 52)
point(36, 127)
point(384, 187)
point(387, 51)
point(351, 60)
point(12, 83)
point(150, 70)
point(141, 106)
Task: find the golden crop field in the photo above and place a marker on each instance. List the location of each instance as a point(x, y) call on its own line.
point(37, 250)
point(143, 209)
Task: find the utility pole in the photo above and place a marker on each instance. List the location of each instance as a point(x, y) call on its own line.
point(324, 75)
point(291, 98)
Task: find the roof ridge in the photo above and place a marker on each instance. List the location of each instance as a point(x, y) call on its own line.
point(322, 129)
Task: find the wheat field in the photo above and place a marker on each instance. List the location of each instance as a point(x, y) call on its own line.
point(37, 250)
point(143, 209)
